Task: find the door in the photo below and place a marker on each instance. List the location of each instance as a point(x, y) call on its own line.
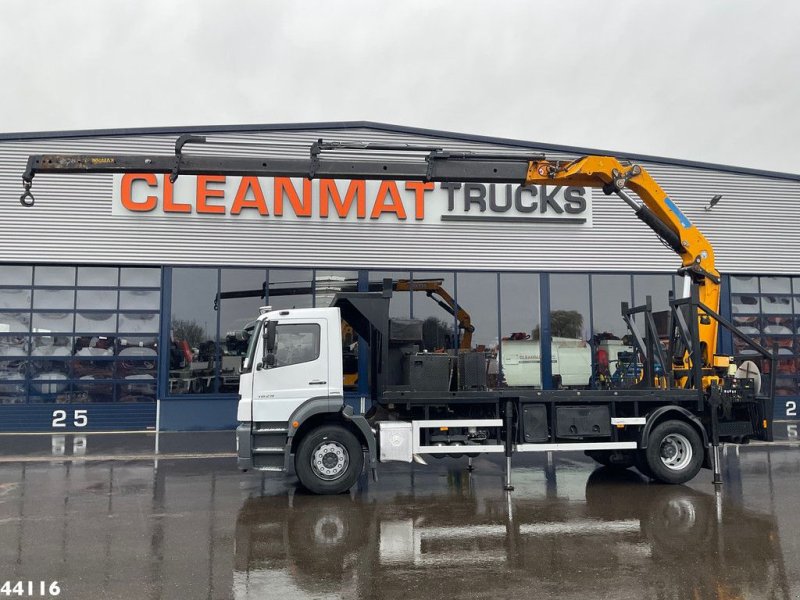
point(300, 371)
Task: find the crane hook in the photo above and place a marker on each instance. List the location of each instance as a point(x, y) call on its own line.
point(27, 199)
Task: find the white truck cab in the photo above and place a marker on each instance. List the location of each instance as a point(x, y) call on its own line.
point(305, 364)
point(291, 401)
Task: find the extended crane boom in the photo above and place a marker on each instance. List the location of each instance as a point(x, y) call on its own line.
point(656, 209)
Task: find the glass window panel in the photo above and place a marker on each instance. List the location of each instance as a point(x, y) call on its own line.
point(741, 348)
point(776, 305)
point(608, 294)
point(776, 285)
point(749, 324)
point(741, 283)
point(98, 276)
point(54, 299)
point(328, 283)
point(10, 298)
point(14, 345)
point(96, 322)
point(139, 300)
point(778, 325)
point(296, 344)
point(744, 304)
point(13, 370)
point(9, 396)
point(53, 322)
point(237, 319)
point(193, 328)
point(140, 277)
point(16, 275)
point(439, 327)
point(658, 287)
point(134, 367)
point(400, 305)
point(88, 370)
point(97, 299)
point(787, 366)
point(86, 391)
point(569, 326)
point(477, 296)
point(136, 390)
point(138, 322)
point(785, 386)
point(94, 345)
point(51, 345)
point(290, 289)
point(12, 382)
point(54, 276)
point(39, 367)
point(520, 357)
point(15, 322)
point(137, 346)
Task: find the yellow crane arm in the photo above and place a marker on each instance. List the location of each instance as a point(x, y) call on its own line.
point(657, 210)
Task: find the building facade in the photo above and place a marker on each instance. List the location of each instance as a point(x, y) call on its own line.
point(125, 300)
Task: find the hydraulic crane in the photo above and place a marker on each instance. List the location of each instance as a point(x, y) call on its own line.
point(613, 176)
point(668, 424)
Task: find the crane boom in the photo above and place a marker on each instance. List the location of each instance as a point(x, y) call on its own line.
point(657, 210)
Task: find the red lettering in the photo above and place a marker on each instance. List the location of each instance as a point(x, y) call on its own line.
point(170, 206)
point(329, 192)
point(388, 188)
point(284, 186)
point(241, 201)
point(149, 203)
point(419, 187)
point(204, 193)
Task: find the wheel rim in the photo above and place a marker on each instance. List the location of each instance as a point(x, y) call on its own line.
point(330, 460)
point(676, 452)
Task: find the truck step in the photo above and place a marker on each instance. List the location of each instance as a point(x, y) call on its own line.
point(271, 469)
point(269, 430)
point(268, 450)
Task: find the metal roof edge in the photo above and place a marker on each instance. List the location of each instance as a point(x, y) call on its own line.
point(5, 137)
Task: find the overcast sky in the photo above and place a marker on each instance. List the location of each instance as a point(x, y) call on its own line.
point(710, 81)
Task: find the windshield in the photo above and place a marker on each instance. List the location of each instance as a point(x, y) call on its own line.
point(247, 364)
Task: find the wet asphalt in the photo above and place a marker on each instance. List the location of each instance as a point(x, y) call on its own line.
point(197, 528)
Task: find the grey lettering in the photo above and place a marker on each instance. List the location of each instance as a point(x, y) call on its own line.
point(451, 188)
point(575, 201)
point(549, 199)
point(493, 205)
point(518, 198)
point(474, 193)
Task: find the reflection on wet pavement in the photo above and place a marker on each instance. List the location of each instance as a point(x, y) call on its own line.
point(199, 529)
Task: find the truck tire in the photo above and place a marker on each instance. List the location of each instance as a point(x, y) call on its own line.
point(329, 460)
point(674, 452)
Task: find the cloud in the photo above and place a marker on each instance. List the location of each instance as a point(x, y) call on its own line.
point(709, 81)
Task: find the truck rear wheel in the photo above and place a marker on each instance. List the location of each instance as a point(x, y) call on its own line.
point(329, 460)
point(674, 452)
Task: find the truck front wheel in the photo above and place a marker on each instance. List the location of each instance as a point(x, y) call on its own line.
point(329, 460)
point(674, 452)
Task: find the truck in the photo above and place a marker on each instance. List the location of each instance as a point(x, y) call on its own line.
point(684, 401)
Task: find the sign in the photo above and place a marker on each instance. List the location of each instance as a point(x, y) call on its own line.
point(297, 199)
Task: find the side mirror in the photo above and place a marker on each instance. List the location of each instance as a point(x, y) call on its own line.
point(269, 344)
point(269, 337)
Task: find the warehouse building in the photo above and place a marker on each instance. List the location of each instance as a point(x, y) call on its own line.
point(125, 300)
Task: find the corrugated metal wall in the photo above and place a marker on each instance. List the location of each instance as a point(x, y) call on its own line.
point(753, 229)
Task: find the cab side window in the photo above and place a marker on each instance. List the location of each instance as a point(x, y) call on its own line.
point(295, 344)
